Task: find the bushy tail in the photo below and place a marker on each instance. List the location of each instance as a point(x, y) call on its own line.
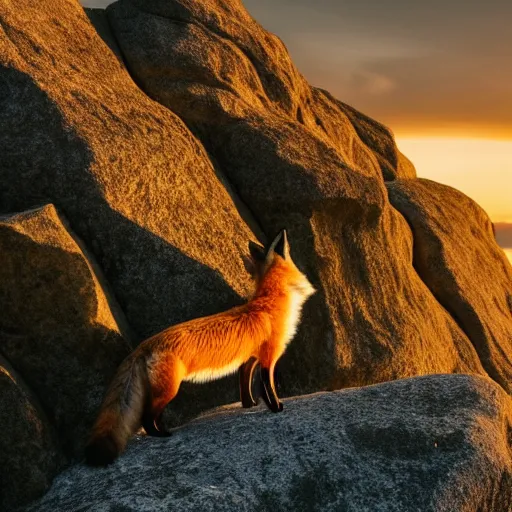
point(121, 412)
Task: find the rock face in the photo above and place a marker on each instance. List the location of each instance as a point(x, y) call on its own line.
point(456, 255)
point(56, 328)
point(220, 70)
point(140, 190)
point(31, 455)
point(300, 159)
point(134, 183)
point(436, 443)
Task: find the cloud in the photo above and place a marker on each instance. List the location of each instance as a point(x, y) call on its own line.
point(372, 84)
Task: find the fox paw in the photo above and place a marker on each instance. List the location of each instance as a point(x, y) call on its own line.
point(162, 431)
point(247, 404)
point(278, 407)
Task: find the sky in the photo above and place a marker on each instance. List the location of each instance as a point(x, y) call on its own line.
point(437, 72)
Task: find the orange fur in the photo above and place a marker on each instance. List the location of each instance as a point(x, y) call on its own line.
point(199, 350)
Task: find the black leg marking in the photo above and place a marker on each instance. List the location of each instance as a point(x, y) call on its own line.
point(263, 391)
point(269, 393)
point(245, 374)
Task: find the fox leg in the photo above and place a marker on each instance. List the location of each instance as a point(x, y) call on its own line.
point(269, 392)
point(166, 378)
point(268, 362)
point(245, 374)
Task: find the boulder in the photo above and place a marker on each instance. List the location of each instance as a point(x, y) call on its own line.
point(215, 66)
point(299, 158)
point(437, 443)
point(381, 140)
point(135, 184)
point(31, 454)
point(137, 187)
point(57, 328)
point(458, 258)
point(99, 20)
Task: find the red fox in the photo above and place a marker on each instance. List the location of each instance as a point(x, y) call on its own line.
point(206, 349)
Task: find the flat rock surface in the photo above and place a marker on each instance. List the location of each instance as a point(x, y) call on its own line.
point(438, 443)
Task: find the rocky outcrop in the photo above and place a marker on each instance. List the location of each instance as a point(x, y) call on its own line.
point(56, 328)
point(301, 159)
point(141, 192)
point(31, 455)
point(437, 443)
point(137, 187)
point(456, 255)
point(217, 68)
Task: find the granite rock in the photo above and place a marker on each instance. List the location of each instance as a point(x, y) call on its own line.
point(436, 443)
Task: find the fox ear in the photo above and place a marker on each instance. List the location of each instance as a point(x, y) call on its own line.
point(283, 247)
point(257, 252)
point(279, 246)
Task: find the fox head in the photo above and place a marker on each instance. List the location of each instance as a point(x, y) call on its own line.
point(277, 254)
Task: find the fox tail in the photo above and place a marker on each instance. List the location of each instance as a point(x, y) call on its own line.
point(121, 412)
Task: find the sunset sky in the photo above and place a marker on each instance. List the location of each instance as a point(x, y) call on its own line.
point(438, 73)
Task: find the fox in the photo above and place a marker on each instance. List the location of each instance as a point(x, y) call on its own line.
point(204, 349)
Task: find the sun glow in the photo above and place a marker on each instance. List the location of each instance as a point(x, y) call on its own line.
point(480, 168)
